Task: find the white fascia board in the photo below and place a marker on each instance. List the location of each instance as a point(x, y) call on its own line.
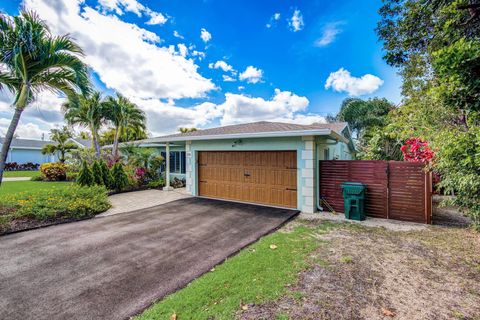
point(25, 148)
point(275, 134)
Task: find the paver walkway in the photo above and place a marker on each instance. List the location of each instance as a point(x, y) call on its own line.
point(131, 201)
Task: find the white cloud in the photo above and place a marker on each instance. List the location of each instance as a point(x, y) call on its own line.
point(156, 18)
point(120, 6)
point(176, 34)
point(221, 65)
point(228, 78)
point(182, 49)
point(126, 57)
point(273, 20)
point(296, 21)
point(241, 88)
point(251, 75)
point(24, 130)
point(329, 33)
point(283, 106)
point(205, 35)
point(343, 81)
point(201, 55)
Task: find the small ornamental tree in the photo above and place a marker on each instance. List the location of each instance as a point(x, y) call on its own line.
point(120, 178)
point(97, 173)
point(85, 177)
point(417, 150)
point(106, 175)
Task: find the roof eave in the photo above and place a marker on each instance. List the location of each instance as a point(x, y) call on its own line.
point(274, 134)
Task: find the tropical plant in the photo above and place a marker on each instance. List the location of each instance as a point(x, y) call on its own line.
point(97, 173)
point(32, 61)
point(417, 150)
point(62, 146)
point(53, 171)
point(85, 176)
point(87, 111)
point(119, 177)
point(186, 130)
point(106, 175)
point(124, 115)
point(107, 137)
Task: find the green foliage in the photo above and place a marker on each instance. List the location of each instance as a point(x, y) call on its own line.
point(458, 163)
point(436, 45)
point(73, 202)
point(54, 171)
point(106, 175)
point(156, 183)
point(97, 174)
point(120, 178)
point(61, 146)
point(85, 177)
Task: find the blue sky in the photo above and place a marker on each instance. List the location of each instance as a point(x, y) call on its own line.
point(206, 63)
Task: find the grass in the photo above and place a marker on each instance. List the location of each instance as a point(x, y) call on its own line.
point(14, 174)
point(256, 275)
point(10, 187)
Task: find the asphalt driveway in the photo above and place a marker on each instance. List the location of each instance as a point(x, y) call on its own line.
point(114, 267)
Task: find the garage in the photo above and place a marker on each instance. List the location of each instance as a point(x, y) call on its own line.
point(263, 177)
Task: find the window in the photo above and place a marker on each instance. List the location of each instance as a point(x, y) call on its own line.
point(177, 162)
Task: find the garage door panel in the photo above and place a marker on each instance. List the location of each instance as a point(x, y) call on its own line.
point(266, 177)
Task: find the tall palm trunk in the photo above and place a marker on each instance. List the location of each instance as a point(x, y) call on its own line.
point(8, 139)
point(115, 142)
point(95, 142)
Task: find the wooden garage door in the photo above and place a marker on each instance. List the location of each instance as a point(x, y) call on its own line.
point(265, 177)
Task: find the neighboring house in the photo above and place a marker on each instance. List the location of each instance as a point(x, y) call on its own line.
point(268, 163)
point(30, 150)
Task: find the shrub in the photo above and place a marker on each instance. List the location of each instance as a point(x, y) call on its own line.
point(85, 177)
point(156, 183)
point(71, 176)
point(97, 173)
point(106, 175)
point(74, 202)
point(54, 171)
point(120, 178)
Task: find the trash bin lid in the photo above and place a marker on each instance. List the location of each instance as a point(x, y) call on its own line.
point(353, 184)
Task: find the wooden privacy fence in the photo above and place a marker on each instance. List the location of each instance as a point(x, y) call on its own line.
point(395, 189)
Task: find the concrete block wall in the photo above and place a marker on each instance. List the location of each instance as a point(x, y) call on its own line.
point(308, 174)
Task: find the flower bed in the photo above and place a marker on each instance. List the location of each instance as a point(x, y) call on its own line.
point(31, 209)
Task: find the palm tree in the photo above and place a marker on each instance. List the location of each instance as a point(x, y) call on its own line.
point(87, 111)
point(124, 115)
point(186, 130)
point(62, 146)
point(31, 61)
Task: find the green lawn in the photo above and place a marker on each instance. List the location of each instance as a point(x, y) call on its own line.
point(10, 174)
point(9, 187)
point(257, 274)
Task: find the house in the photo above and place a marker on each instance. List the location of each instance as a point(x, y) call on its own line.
point(268, 163)
point(29, 150)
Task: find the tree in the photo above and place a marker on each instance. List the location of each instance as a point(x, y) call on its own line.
point(435, 44)
point(366, 119)
point(124, 115)
point(129, 134)
point(119, 177)
point(85, 176)
point(106, 175)
point(62, 146)
point(32, 61)
point(87, 111)
point(186, 130)
point(97, 173)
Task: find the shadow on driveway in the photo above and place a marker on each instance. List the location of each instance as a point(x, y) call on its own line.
point(114, 267)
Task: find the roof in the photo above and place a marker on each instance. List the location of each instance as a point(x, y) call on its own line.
point(256, 129)
point(27, 143)
point(84, 142)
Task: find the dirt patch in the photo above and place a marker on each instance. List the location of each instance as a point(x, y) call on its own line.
point(371, 273)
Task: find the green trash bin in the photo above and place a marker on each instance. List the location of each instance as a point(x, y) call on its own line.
point(354, 200)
